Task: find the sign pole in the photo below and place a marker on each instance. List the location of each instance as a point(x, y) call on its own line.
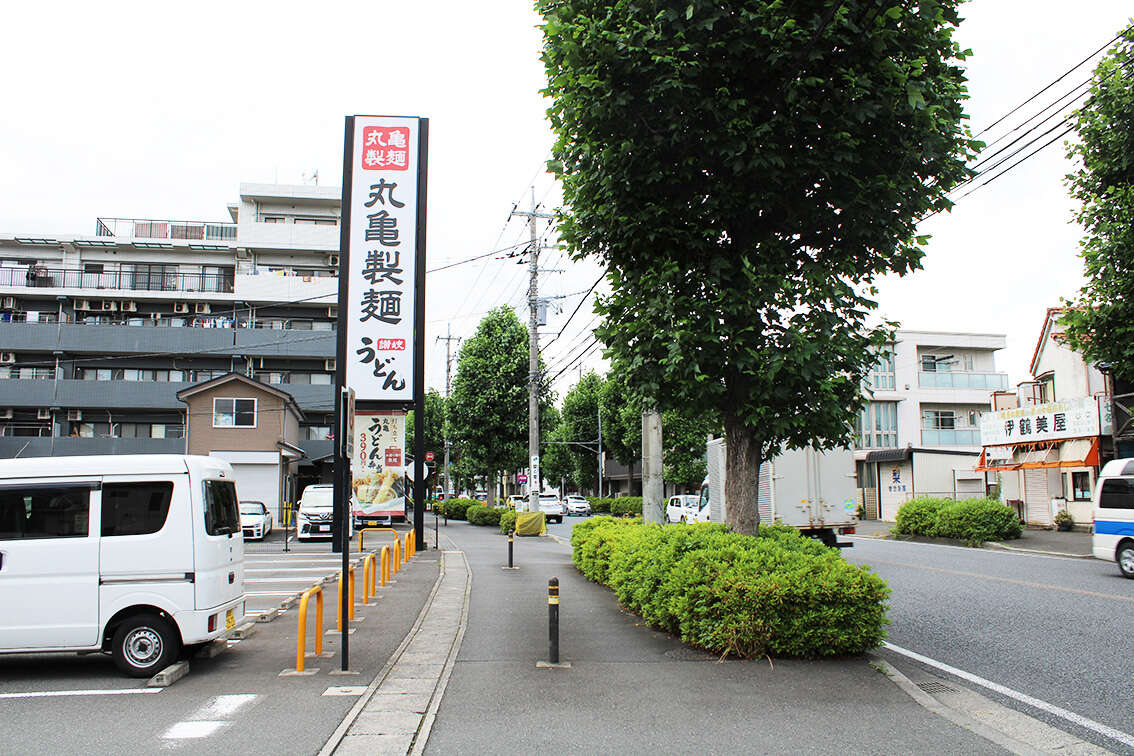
point(419, 341)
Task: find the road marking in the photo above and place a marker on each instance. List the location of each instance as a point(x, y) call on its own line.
point(1023, 698)
point(210, 717)
point(304, 580)
point(970, 549)
point(185, 730)
point(1013, 581)
point(59, 693)
point(225, 706)
point(271, 593)
point(287, 569)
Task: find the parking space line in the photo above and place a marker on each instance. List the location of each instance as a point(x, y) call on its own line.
point(303, 580)
point(60, 693)
point(210, 717)
point(269, 593)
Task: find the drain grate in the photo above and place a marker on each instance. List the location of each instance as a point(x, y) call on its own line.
point(935, 687)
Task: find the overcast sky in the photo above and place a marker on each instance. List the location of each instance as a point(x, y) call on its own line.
point(144, 110)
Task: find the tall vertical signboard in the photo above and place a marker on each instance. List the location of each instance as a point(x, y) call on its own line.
point(381, 328)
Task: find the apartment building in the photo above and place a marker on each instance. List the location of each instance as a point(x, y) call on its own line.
point(919, 433)
point(99, 332)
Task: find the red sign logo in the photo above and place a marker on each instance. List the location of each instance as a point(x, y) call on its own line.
point(386, 345)
point(429, 456)
point(393, 457)
point(385, 148)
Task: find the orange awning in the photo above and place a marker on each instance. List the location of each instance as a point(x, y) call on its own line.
point(1078, 452)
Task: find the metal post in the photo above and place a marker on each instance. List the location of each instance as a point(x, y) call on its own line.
point(510, 539)
point(553, 620)
point(436, 538)
point(600, 464)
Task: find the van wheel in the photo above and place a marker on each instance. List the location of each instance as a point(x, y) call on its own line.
point(144, 645)
point(1125, 558)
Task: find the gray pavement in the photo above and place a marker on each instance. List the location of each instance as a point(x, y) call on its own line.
point(1033, 540)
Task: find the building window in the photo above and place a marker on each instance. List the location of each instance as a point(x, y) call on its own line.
point(234, 413)
point(1081, 486)
point(968, 363)
point(877, 426)
point(316, 221)
point(934, 364)
point(92, 268)
point(272, 219)
point(882, 374)
point(940, 420)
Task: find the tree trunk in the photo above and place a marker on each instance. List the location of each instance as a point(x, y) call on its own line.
point(490, 489)
point(742, 464)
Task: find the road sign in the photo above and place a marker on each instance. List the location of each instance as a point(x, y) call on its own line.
point(429, 456)
point(522, 478)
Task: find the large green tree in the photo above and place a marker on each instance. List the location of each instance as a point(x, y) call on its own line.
point(1100, 324)
point(434, 433)
point(684, 435)
point(579, 418)
point(744, 170)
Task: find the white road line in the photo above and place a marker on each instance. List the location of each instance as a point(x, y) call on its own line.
point(1023, 698)
point(306, 580)
point(220, 707)
point(210, 717)
point(312, 570)
point(60, 693)
point(269, 594)
point(184, 730)
point(969, 549)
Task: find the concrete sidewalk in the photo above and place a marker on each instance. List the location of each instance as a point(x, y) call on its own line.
point(1032, 541)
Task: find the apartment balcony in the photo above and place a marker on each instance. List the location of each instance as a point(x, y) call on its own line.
point(950, 437)
point(119, 395)
point(963, 380)
point(166, 230)
point(121, 283)
point(281, 287)
point(299, 236)
point(41, 446)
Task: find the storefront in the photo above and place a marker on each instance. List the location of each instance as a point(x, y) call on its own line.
point(1046, 456)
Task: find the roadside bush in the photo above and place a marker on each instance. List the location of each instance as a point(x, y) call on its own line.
point(507, 521)
point(971, 520)
point(919, 516)
point(455, 509)
point(481, 514)
point(626, 506)
point(599, 505)
point(976, 520)
point(780, 593)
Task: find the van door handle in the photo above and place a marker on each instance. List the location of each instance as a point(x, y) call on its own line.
point(231, 578)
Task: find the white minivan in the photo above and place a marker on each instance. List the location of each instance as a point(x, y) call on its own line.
point(1114, 515)
point(135, 555)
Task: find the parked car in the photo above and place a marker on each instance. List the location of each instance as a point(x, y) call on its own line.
point(133, 555)
point(316, 512)
point(481, 496)
point(1113, 539)
point(577, 505)
point(255, 520)
point(515, 501)
point(552, 507)
point(681, 508)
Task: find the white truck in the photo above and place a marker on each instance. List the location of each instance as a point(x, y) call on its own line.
point(804, 488)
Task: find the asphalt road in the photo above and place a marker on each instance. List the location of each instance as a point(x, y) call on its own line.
point(1047, 627)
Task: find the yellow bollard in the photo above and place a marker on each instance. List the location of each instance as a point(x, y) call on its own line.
point(369, 577)
point(385, 565)
point(301, 638)
point(396, 562)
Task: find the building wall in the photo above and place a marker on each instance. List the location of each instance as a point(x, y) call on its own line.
point(204, 438)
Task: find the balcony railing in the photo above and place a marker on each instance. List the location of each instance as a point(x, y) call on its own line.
point(129, 280)
point(963, 380)
point(143, 228)
point(950, 437)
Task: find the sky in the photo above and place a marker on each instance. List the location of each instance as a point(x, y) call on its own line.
point(139, 110)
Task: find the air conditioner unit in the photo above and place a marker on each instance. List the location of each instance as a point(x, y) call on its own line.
point(82, 305)
point(202, 308)
point(155, 316)
point(109, 305)
point(329, 365)
point(7, 358)
point(129, 306)
point(332, 312)
point(43, 414)
point(181, 307)
point(74, 414)
point(9, 303)
point(333, 261)
point(6, 413)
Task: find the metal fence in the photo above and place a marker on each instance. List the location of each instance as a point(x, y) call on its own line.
point(138, 278)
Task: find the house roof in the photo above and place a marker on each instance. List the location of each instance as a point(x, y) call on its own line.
point(902, 454)
point(1048, 320)
point(289, 401)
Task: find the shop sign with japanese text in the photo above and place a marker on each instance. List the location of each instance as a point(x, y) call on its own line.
point(1053, 421)
point(377, 466)
point(383, 204)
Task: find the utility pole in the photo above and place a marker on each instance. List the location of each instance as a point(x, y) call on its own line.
point(600, 460)
point(652, 484)
point(533, 354)
point(445, 426)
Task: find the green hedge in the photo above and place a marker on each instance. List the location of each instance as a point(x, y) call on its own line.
point(599, 505)
point(780, 594)
point(455, 509)
point(972, 520)
point(623, 506)
point(507, 521)
point(481, 514)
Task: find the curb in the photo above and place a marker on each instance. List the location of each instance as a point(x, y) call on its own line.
point(1003, 547)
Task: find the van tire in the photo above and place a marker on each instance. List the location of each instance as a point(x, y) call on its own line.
point(1125, 558)
point(144, 645)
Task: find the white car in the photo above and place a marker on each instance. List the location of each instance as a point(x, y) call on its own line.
point(681, 508)
point(316, 512)
point(255, 520)
point(552, 507)
point(577, 505)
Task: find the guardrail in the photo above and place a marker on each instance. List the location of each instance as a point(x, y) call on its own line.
point(399, 559)
point(301, 638)
point(350, 602)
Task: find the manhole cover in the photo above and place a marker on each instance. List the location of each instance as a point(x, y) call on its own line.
point(935, 687)
point(689, 654)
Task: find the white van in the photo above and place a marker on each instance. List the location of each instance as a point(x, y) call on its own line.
point(1114, 515)
point(133, 555)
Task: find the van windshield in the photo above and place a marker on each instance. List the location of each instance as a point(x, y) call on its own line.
point(318, 498)
point(221, 513)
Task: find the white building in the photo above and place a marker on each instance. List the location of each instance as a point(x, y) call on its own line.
point(920, 431)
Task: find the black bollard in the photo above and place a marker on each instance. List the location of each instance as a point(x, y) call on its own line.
point(553, 620)
point(436, 539)
point(511, 533)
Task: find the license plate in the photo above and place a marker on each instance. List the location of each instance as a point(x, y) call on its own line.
point(373, 523)
point(229, 619)
point(322, 528)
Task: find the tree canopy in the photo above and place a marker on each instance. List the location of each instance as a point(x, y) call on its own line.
point(434, 433)
point(744, 171)
point(1100, 323)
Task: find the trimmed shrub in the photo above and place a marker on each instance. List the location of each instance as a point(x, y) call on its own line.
point(455, 509)
point(919, 516)
point(599, 505)
point(481, 514)
point(626, 506)
point(976, 520)
point(780, 594)
point(507, 521)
